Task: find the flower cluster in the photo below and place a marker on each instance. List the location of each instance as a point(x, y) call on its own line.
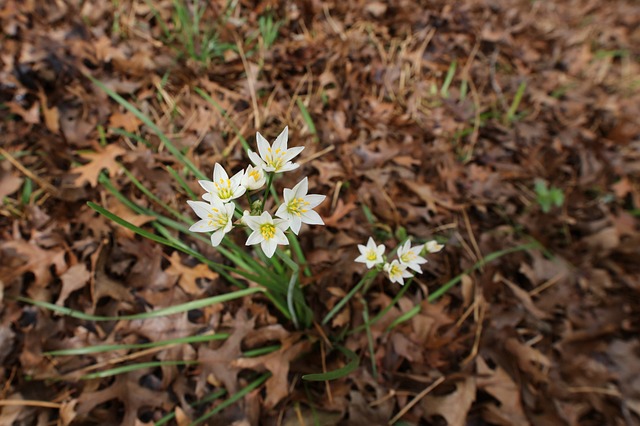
point(409, 258)
point(217, 211)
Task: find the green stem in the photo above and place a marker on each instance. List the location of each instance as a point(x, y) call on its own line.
point(292, 285)
point(266, 191)
point(369, 276)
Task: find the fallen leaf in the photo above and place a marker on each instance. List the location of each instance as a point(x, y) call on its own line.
point(453, 406)
point(105, 159)
point(188, 276)
point(73, 279)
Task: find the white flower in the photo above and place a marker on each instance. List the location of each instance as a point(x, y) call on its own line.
point(397, 272)
point(276, 158)
point(267, 231)
point(214, 216)
point(222, 187)
point(297, 206)
point(253, 178)
point(410, 256)
point(433, 246)
point(370, 254)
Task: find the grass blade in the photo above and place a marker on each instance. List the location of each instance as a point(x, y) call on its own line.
point(132, 367)
point(368, 276)
point(132, 346)
point(233, 398)
point(151, 125)
point(340, 372)
point(195, 304)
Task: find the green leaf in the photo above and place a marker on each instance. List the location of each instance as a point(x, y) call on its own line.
point(195, 304)
point(340, 372)
point(233, 398)
point(132, 367)
point(132, 346)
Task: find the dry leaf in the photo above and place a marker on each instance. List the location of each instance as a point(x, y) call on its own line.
point(453, 406)
point(74, 279)
point(189, 275)
point(105, 159)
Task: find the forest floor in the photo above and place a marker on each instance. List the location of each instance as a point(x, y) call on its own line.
point(508, 130)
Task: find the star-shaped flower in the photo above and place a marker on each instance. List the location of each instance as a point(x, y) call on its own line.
point(253, 178)
point(397, 272)
point(222, 187)
point(267, 232)
point(410, 256)
point(214, 216)
point(370, 254)
point(433, 246)
point(297, 206)
point(276, 158)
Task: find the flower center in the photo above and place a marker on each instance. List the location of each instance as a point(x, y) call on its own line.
point(267, 231)
point(296, 206)
point(224, 188)
point(395, 271)
point(408, 256)
point(372, 255)
point(274, 158)
point(255, 174)
point(218, 219)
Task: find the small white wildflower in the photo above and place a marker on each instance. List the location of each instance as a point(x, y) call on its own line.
point(214, 216)
point(397, 272)
point(253, 178)
point(222, 187)
point(433, 246)
point(276, 158)
point(297, 206)
point(410, 256)
point(370, 254)
point(268, 232)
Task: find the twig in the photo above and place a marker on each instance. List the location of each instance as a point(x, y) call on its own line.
point(415, 400)
point(42, 183)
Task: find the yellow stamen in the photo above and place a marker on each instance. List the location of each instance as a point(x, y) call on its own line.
point(267, 231)
point(296, 206)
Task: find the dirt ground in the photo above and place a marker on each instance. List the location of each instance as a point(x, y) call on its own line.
point(507, 130)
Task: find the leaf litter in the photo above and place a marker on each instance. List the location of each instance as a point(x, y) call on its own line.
point(543, 336)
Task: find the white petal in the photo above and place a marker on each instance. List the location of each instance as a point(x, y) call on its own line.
point(281, 140)
point(235, 179)
point(282, 211)
point(252, 222)
point(207, 185)
point(292, 153)
point(281, 238)
point(254, 238)
point(300, 190)
point(380, 250)
point(265, 217)
point(208, 197)
point(362, 258)
point(415, 267)
point(219, 173)
point(286, 168)
point(255, 159)
point(312, 218)
point(314, 200)
point(216, 238)
point(363, 249)
point(201, 226)
point(269, 247)
point(295, 223)
point(263, 145)
point(238, 192)
point(201, 208)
